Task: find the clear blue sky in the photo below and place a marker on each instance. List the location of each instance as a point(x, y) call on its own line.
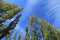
point(47, 9)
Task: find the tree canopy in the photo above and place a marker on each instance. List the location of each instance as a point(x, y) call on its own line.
point(38, 28)
point(8, 11)
point(42, 30)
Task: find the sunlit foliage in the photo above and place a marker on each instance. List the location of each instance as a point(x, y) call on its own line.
point(8, 11)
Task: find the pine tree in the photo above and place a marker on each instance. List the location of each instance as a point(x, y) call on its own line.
point(27, 35)
point(48, 31)
point(8, 11)
point(33, 22)
point(7, 36)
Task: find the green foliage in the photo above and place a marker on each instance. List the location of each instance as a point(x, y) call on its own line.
point(27, 35)
point(6, 6)
point(32, 23)
point(8, 11)
point(33, 35)
point(7, 36)
point(11, 26)
point(32, 19)
point(47, 31)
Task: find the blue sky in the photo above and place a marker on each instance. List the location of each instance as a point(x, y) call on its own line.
point(47, 9)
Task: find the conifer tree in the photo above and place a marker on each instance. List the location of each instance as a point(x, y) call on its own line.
point(7, 36)
point(8, 11)
point(27, 35)
point(47, 31)
point(34, 27)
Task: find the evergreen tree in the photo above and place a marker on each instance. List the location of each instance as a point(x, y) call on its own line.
point(47, 31)
point(8, 11)
point(7, 36)
point(33, 22)
point(27, 35)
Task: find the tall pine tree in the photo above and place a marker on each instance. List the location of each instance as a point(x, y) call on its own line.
point(8, 11)
point(45, 30)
